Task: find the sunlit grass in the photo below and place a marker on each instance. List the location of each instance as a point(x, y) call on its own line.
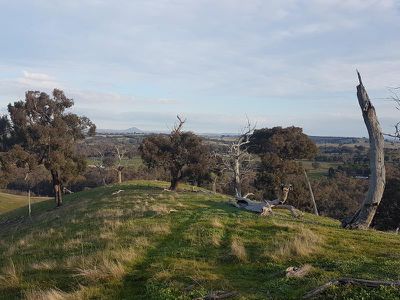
point(146, 243)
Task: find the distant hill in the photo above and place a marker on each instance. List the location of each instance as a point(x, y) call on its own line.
point(132, 130)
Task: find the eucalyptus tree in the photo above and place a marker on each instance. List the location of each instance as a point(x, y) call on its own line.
point(180, 153)
point(43, 129)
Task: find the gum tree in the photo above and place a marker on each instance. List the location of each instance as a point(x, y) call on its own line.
point(43, 127)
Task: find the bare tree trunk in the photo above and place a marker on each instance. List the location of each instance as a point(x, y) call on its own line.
point(364, 216)
point(214, 185)
point(29, 202)
point(119, 176)
point(311, 193)
point(237, 183)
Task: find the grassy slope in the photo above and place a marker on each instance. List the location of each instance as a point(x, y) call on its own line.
point(10, 202)
point(130, 246)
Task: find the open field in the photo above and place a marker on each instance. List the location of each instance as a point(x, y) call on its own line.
point(321, 170)
point(147, 243)
point(9, 201)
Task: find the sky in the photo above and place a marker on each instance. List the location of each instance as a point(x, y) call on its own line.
point(215, 62)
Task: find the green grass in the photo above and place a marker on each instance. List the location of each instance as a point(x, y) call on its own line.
point(147, 243)
point(321, 171)
point(10, 202)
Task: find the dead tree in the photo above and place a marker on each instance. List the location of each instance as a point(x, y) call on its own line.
point(237, 159)
point(363, 217)
point(99, 164)
point(396, 98)
point(120, 154)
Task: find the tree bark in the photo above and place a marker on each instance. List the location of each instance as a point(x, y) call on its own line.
point(238, 184)
point(119, 176)
point(364, 216)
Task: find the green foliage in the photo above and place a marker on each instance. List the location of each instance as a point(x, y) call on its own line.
point(278, 149)
point(182, 154)
point(287, 143)
point(44, 132)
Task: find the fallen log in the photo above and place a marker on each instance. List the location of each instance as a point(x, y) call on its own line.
point(353, 281)
point(265, 207)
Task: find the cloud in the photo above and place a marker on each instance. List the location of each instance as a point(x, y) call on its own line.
point(203, 58)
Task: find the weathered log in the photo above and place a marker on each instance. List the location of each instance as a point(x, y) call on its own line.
point(363, 218)
point(354, 281)
point(265, 207)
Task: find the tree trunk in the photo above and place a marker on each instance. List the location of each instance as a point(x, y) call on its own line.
point(57, 187)
point(214, 185)
point(311, 193)
point(119, 176)
point(29, 203)
point(238, 184)
point(363, 218)
point(174, 184)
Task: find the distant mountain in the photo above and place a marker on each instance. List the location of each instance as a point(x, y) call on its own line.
point(132, 130)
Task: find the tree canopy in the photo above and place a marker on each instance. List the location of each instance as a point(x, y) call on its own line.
point(44, 130)
point(278, 148)
point(181, 153)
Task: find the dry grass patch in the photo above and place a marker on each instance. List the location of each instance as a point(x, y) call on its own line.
point(52, 294)
point(126, 255)
point(110, 212)
point(160, 209)
point(72, 244)
point(216, 223)
point(303, 243)
point(102, 268)
point(44, 265)
point(111, 225)
point(9, 276)
point(238, 250)
point(216, 239)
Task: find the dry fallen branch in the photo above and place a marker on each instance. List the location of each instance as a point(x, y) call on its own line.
point(264, 208)
point(354, 281)
point(117, 192)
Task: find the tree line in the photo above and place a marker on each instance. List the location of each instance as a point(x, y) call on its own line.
point(40, 134)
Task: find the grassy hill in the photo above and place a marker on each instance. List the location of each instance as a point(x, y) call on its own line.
point(147, 243)
point(10, 202)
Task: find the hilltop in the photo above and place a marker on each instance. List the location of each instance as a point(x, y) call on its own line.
point(148, 243)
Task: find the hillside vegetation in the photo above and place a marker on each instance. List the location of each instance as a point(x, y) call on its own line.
point(148, 243)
